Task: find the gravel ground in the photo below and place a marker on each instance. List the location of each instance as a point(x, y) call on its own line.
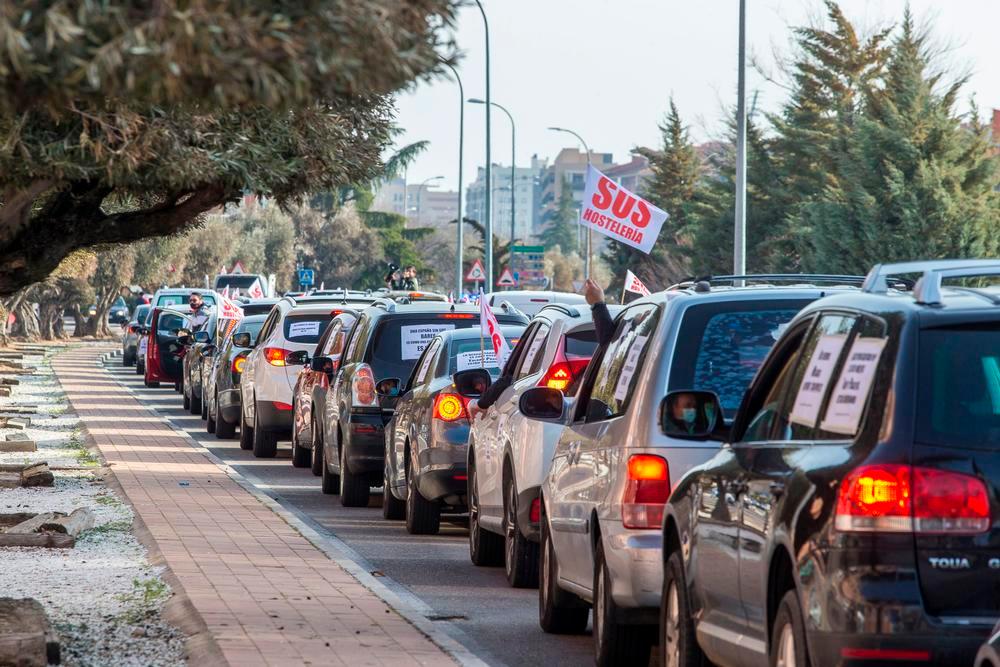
point(104, 598)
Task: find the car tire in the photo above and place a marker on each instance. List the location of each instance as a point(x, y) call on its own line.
point(521, 555)
point(615, 642)
point(265, 444)
point(206, 412)
point(393, 509)
point(301, 457)
point(485, 548)
point(152, 385)
point(423, 517)
point(179, 386)
point(186, 400)
point(204, 406)
point(329, 482)
point(223, 429)
point(678, 644)
point(317, 451)
point(559, 612)
point(788, 637)
point(246, 432)
point(195, 403)
point(355, 490)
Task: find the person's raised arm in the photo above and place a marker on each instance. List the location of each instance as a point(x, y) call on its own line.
point(604, 324)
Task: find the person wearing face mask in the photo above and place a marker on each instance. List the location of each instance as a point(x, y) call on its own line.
point(199, 311)
point(684, 414)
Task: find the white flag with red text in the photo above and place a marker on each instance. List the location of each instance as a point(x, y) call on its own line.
point(491, 330)
point(634, 285)
point(619, 214)
point(256, 291)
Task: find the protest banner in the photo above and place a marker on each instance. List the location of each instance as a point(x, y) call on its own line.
point(619, 214)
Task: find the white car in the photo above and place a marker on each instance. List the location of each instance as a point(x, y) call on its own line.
point(285, 342)
point(531, 302)
point(509, 455)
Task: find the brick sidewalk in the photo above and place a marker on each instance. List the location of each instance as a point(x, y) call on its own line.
point(267, 595)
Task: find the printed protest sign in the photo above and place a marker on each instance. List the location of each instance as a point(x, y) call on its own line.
point(466, 360)
point(812, 389)
point(629, 367)
point(847, 404)
point(256, 291)
point(303, 329)
point(416, 337)
point(634, 285)
point(619, 214)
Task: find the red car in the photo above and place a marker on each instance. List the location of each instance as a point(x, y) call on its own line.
point(164, 349)
point(309, 394)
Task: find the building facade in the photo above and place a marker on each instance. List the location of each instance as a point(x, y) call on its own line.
point(420, 203)
point(525, 191)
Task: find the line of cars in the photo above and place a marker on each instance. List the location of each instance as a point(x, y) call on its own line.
point(782, 470)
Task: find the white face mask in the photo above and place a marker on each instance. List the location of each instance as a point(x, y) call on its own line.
point(689, 414)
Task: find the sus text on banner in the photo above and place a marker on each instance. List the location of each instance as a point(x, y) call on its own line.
point(619, 214)
point(634, 285)
point(491, 330)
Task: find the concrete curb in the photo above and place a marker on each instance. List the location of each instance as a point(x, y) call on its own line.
point(447, 636)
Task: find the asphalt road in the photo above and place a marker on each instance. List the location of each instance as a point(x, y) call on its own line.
point(496, 622)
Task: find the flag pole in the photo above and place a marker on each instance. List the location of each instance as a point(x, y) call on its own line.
point(482, 339)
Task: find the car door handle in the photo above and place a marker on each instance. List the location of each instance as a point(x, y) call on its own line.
point(777, 489)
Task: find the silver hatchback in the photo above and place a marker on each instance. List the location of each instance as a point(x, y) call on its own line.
point(611, 473)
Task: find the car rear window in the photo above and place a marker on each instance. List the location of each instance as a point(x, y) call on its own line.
point(398, 342)
point(306, 328)
point(240, 282)
point(959, 387)
point(580, 344)
point(720, 346)
point(466, 354)
point(250, 327)
point(165, 300)
point(257, 308)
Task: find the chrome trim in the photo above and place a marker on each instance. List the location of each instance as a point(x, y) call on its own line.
point(730, 637)
point(570, 525)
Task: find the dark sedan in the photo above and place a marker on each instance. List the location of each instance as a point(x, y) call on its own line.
point(222, 385)
point(427, 439)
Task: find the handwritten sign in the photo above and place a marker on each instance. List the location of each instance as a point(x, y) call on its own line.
point(812, 389)
point(417, 337)
point(850, 394)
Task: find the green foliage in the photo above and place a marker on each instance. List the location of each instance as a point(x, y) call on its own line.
point(398, 246)
point(338, 246)
point(561, 224)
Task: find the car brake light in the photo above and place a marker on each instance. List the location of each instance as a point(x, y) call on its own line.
point(238, 364)
point(450, 408)
point(885, 654)
point(363, 388)
point(276, 355)
point(897, 498)
point(278, 405)
point(535, 513)
point(562, 373)
point(457, 316)
point(646, 491)
point(335, 312)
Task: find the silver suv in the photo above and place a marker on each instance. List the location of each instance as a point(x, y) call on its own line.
point(603, 499)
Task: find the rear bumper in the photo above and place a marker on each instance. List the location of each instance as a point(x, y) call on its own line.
point(448, 482)
point(635, 559)
point(364, 442)
point(273, 420)
point(229, 406)
point(950, 646)
point(525, 499)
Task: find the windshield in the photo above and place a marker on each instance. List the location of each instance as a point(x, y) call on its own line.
point(306, 328)
point(721, 345)
point(140, 313)
point(234, 281)
point(250, 326)
point(959, 385)
point(181, 299)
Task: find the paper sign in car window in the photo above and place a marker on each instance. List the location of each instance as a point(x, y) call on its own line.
point(629, 367)
point(534, 348)
point(416, 337)
point(300, 329)
point(812, 389)
point(466, 360)
point(428, 358)
point(843, 413)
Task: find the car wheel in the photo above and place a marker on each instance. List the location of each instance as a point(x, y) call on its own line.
point(246, 432)
point(179, 386)
point(206, 414)
point(520, 554)
point(301, 457)
point(204, 406)
point(788, 638)
point(393, 508)
point(195, 403)
point(615, 642)
point(354, 489)
point(559, 612)
point(485, 548)
point(423, 517)
point(185, 399)
point(265, 444)
point(317, 458)
point(678, 645)
point(223, 429)
point(330, 482)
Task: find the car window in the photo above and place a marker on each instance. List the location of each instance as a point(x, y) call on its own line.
point(167, 323)
point(268, 326)
point(251, 327)
point(140, 313)
point(305, 328)
point(181, 299)
point(468, 353)
point(810, 383)
point(398, 342)
point(424, 368)
point(615, 378)
point(330, 336)
point(358, 340)
point(534, 353)
point(721, 345)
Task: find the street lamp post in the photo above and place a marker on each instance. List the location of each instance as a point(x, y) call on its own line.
point(460, 241)
point(586, 264)
point(513, 160)
point(740, 233)
point(487, 213)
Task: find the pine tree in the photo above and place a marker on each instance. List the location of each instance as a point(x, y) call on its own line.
point(562, 224)
point(676, 170)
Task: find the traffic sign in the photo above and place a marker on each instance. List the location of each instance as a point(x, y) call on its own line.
point(306, 277)
point(577, 285)
point(238, 268)
point(507, 278)
point(528, 264)
point(477, 274)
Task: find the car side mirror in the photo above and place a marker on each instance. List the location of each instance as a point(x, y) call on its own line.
point(388, 387)
point(297, 358)
point(690, 415)
point(201, 336)
point(242, 339)
point(321, 364)
point(472, 383)
point(542, 403)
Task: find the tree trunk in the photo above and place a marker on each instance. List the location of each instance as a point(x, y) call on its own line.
point(27, 321)
point(79, 322)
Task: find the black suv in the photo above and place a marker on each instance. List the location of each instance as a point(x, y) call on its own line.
point(853, 515)
point(382, 348)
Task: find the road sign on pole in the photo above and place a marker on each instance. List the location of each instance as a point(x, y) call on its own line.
point(476, 274)
point(507, 278)
point(238, 268)
point(307, 277)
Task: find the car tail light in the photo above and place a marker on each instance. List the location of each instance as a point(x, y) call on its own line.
point(562, 373)
point(132, 328)
point(457, 316)
point(276, 355)
point(908, 655)
point(902, 499)
point(535, 513)
point(450, 408)
point(646, 491)
point(363, 388)
point(238, 364)
point(278, 405)
point(152, 349)
point(335, 312)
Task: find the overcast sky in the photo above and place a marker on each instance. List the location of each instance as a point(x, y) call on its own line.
point(607, 68)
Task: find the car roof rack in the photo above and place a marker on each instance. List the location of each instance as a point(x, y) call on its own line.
point(388, 304)
point(927, 290)
point(508, 308)
point(564, 309)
